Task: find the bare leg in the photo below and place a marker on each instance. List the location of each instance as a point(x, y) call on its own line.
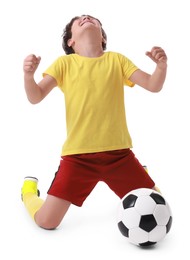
point(50, 215)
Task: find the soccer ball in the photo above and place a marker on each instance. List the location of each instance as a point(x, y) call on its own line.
point(144, 217)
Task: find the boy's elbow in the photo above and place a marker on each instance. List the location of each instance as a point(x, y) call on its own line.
point(33, 101)
point(156, 89)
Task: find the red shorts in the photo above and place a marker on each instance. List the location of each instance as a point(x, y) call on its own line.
point(78, 175)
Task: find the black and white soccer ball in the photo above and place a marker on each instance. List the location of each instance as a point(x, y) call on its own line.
point(144, 217)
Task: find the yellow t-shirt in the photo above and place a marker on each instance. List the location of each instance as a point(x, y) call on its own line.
point(94, 99)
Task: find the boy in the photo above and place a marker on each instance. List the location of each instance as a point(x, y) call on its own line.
point(98, 144)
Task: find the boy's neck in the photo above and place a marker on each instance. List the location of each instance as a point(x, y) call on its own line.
point(89, 47)
point(90, 53)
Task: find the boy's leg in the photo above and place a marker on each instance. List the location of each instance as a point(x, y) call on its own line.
point(155, 187)
point(126, 173)
point(47, 214)
point(51, 213)
point(30, 195)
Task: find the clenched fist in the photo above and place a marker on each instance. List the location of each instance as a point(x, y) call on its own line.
point(158, 55)
point(31, 63)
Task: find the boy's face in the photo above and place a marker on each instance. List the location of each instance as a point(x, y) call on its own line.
point(83, 23)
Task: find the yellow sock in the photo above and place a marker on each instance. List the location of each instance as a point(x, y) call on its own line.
point(32, 203)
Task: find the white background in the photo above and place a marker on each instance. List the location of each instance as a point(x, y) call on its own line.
point(31, 136)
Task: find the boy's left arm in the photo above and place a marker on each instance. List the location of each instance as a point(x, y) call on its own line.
point(154, 82)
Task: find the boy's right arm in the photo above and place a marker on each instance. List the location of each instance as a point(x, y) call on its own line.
point(36, 92)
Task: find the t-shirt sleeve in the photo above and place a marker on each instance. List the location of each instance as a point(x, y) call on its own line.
point(56, 70)
point(128, 69)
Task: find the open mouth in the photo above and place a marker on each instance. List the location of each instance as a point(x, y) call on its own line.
point(86, 21)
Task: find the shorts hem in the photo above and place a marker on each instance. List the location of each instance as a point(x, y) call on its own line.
point(76, 203)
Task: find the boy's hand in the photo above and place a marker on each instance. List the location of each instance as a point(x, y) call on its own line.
point(31, 63)
point(158, 55)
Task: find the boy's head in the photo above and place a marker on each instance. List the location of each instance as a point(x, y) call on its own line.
point(67, 34)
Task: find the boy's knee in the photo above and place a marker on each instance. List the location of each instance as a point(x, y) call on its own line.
point(45, 223)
